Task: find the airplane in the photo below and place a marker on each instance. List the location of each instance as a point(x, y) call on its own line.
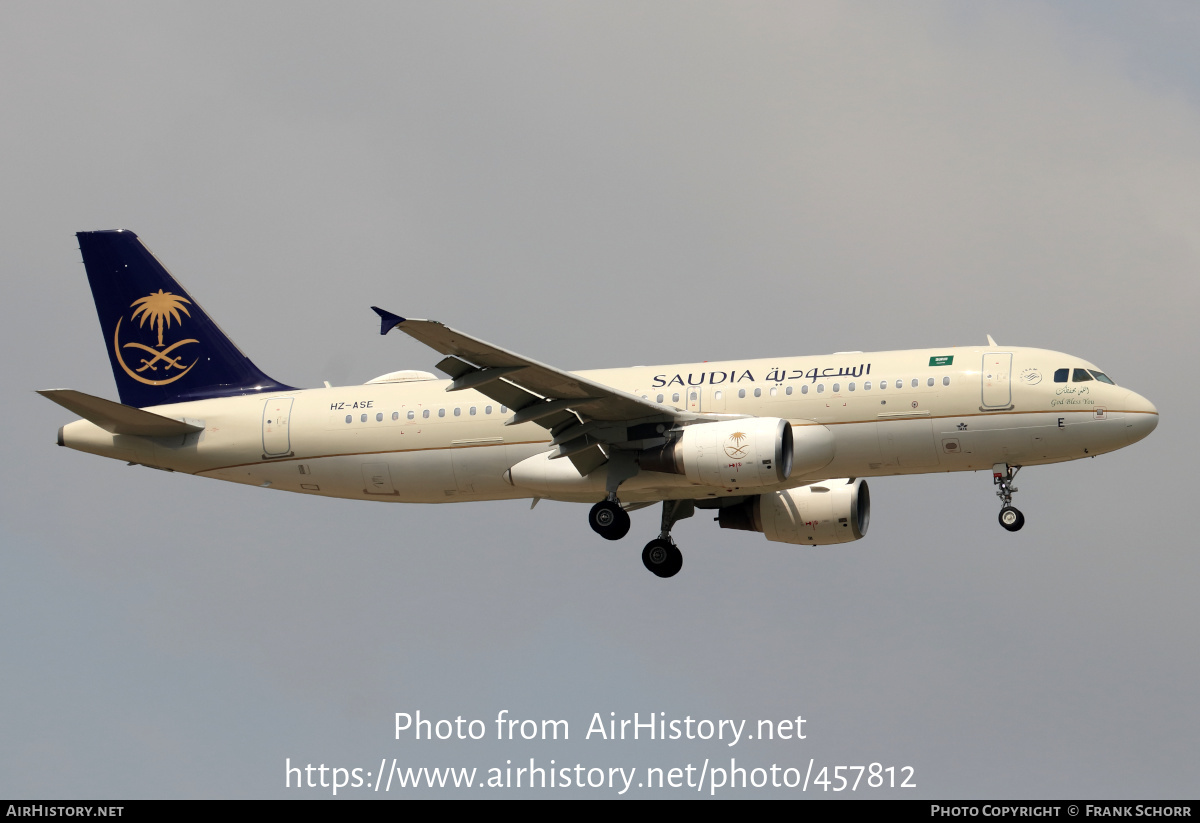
point(779, 446)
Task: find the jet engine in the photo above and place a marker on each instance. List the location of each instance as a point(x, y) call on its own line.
point(832, 511)
point(746, 453)
point(752, 452)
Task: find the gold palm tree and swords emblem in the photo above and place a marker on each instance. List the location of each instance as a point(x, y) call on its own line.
point(159, 310)
point(734, 447)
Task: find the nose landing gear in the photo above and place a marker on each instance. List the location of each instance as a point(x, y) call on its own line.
point(1011, 518)
point(1002, 477)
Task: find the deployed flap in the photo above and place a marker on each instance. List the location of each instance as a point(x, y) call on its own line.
point(116, 418)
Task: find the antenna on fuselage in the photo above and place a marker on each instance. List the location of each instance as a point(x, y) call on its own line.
point(992, 342)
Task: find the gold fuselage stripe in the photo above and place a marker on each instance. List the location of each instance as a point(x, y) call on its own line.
point(295, 459)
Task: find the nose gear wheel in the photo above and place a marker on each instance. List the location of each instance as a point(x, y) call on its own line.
point(1011, 518)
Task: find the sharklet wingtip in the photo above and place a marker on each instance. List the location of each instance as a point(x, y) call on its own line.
point(388, 321)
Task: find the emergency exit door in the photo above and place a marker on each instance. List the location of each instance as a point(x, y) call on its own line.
point(276, 426)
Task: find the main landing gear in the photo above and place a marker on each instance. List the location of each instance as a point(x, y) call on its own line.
point(661, 555)
point(1003, 476)
point(609, 520)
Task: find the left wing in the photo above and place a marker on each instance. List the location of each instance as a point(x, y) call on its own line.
point(587, 419)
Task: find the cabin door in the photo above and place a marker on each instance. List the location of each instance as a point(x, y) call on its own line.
point(997, 383)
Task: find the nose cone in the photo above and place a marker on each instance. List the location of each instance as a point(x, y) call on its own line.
point(1141, 417)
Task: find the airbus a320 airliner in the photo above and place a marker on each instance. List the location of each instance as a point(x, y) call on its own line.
point(778, 446)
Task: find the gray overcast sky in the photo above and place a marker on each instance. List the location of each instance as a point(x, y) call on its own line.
point(602, 184)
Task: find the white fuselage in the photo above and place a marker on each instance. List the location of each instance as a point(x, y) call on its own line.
point(955, 409)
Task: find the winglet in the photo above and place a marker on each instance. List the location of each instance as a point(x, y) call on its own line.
point(389, 320)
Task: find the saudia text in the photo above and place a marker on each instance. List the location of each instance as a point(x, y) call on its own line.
point(776, 375)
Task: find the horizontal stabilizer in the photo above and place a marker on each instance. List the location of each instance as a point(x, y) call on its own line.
point(116, 418)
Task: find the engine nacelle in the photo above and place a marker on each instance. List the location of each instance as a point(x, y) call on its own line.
point(833, 511)
point(748, 452)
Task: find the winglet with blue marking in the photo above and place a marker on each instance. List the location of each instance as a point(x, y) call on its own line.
point(389, 320)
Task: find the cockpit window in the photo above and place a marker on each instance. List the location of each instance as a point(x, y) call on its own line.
point(1102, 377)
point(1060, 375)
point(1081, 376)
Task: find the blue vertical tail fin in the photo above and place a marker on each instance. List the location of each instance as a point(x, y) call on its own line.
point(162, 346)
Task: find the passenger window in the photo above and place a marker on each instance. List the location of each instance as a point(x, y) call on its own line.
point(741, 393)
point(504, 409)
point(441, 412)
point(820, 388)
point(457, 411)
point(804, 389)
point(929, 382)
point(946, 381)
point(788, 391)
point(882, 385)
point(851, 387)
point(395, 415)
point(1060, 375)
point(425, 414)
point(487, 409)
point(867, 386)
point(675, 397)
point(349, 417)
point(716, 396)
point(363, 419)
point(1102, 377)
point(915, 382)
point(1080, 376)
point(472, 411)
point(411, 415)
point(774, 391)
point(758, 392)
point(837, 387)
point(379, 417)
point(659, 399)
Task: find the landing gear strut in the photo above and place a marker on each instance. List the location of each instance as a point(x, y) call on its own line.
point(1003, 476)
point(607, 518)
point(661, 555)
